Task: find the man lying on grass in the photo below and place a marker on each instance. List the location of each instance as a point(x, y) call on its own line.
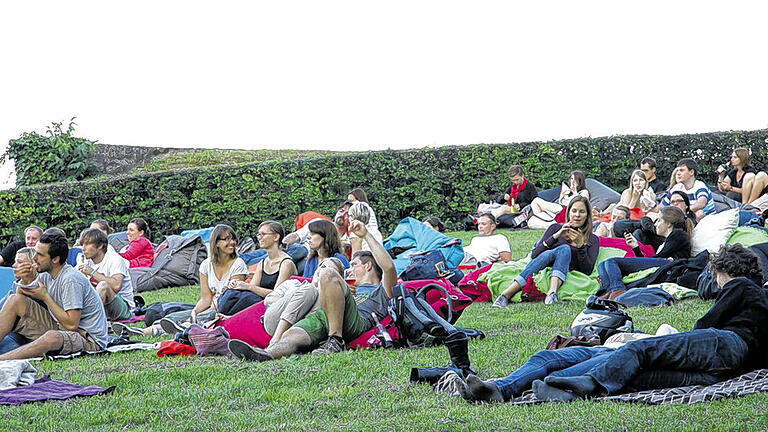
point(340, 319)
point(728, 340)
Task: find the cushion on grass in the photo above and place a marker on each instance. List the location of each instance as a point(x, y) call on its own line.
point(748, 236)
point(713, 231)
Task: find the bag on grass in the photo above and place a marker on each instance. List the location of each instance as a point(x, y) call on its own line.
point(426, 265)
point(418, 325)
point(158, 310)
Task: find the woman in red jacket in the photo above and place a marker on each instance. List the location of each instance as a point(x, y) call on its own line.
point(139, 252)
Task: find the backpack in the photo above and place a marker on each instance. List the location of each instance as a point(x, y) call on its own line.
point(426, 265)
point(417, 323)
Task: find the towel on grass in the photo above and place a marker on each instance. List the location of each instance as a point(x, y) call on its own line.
point(46, 388)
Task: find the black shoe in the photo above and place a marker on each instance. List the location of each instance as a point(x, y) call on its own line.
point(334, 344)
point(244, 351)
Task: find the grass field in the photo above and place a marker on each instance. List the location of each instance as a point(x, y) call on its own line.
point(361, 390)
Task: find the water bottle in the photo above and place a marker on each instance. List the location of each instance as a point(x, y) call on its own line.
point(381, 333)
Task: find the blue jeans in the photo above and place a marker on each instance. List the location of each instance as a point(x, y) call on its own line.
point(612, 270)
point(694, 357)
point(566, 362)
point(11, 341)
point(558, 258)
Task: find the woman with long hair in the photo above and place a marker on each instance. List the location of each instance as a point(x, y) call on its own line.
point(673, 226)
point(566, 247)
point(323, 241)
point(743, 182)
point(543, 213)
point(273, 270)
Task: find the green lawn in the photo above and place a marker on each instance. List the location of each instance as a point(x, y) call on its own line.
point(361, 390)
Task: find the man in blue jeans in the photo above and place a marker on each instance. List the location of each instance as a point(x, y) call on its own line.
point(731, 338)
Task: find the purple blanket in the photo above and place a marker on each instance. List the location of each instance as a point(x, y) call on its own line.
point(45, 388)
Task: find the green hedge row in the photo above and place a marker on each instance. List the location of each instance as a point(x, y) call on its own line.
point(447, 182)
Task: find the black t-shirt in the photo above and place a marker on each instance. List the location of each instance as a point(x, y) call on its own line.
point(524, 197)
point(658, 186)
point(9, 252)
point(742, 307)
point(376, 303)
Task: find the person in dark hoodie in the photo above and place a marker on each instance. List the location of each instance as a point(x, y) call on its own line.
point(730, 339)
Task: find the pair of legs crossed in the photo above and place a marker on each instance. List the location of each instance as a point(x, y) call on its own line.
point(558, 258)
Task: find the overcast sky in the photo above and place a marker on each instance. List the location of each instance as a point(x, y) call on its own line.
point(362, 75)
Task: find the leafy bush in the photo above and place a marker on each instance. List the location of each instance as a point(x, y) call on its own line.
point(447, 182)
point(48, 159)
point(207, 158)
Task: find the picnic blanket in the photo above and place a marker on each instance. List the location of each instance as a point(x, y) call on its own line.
point(416, 237)
point(743, 385)
point(46, 388)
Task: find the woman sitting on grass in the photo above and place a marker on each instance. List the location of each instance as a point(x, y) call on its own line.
point(742, 183)
point(673, 227)
point(358, 195)
point(638, 195)
point(216, 273)
point(273, 270)
point(323, 242)
point(543, 212)
point(566, 247)
point(139, 251)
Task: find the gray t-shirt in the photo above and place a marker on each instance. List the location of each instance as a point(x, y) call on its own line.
point(71, 290)
point(376, 302)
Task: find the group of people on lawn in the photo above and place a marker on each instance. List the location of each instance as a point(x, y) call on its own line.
point(62, 309)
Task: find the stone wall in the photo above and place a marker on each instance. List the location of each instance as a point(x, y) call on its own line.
point(121, 159)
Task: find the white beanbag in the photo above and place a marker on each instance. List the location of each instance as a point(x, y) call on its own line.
point(713, 231)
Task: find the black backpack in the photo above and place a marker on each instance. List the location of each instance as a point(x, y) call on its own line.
point(155, 311)
point(417, 323)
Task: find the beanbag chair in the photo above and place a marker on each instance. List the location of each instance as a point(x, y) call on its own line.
point(748, 236)
point(600, 195)
point(246, 326)
point(176, 264)
point(713, 231)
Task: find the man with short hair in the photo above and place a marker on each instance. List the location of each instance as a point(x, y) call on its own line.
point(108, 274)
point(698, 193)
point(648, 166)
point(488, 247)
point(31, 236)
point(72, 319)
point(340, 319)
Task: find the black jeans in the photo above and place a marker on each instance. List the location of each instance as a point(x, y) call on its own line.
point(699, 356)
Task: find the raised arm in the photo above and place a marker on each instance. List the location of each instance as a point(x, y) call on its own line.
point(388, 272)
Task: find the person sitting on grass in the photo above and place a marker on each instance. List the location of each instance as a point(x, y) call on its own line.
point(358, 195)
point(543, 213)
point(435, 223)
point(72, 319)
point(216, 273)
point(566, 247)
point(31, 236)
point(673, 227)
point(273, 270)
point(648, 167)
point(605, 229)
point(698, 193)
point(362, 211)
point(108, 274)
point(139, 251)
point(730, 339)
point(519, 194)
point(323, 241)
point(340, 320)
point(742, 183)
point(487, 247)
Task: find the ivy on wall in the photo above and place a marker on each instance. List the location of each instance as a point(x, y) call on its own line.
point(447, 182)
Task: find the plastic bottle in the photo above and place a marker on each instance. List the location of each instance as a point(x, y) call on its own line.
point(382, 334)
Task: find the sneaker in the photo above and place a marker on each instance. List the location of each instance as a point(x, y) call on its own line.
point(451, 384)
point(120, 329)
point(551, 298)
point(501, 302)
point(169, 326)
point(333, 344)
point(242, 350)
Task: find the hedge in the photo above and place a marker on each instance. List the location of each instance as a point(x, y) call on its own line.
point(447, 182)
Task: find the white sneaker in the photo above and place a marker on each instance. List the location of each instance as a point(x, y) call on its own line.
point(551, 298)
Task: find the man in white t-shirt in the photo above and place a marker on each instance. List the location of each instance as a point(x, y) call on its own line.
point(488, 247)
point(699, 195)
point(108, 274)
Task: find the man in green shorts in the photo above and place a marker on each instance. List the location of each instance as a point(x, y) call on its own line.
point(340, 319)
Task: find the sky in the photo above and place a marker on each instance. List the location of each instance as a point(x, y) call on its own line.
point(354, 75)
